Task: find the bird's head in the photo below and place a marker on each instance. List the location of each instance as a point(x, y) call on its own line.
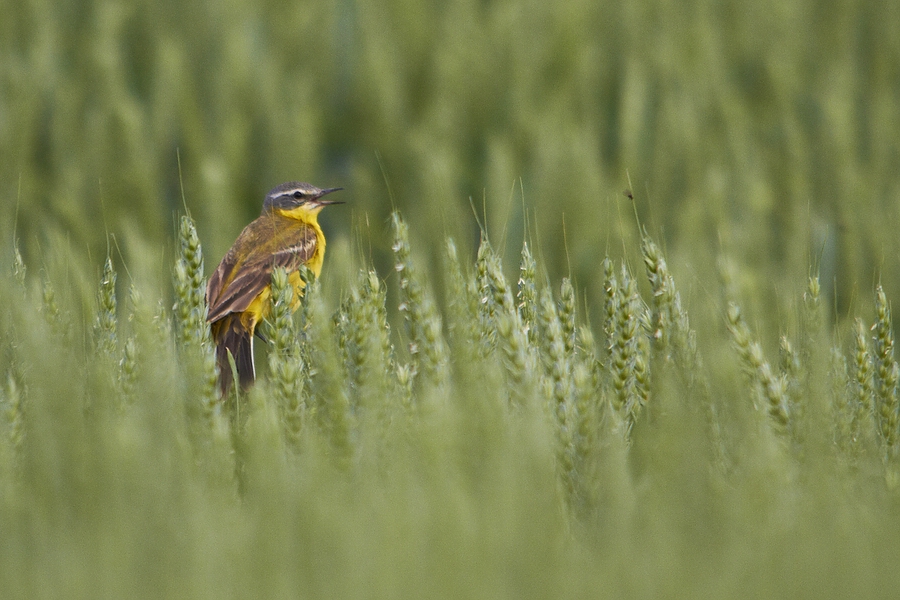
point(295, 198)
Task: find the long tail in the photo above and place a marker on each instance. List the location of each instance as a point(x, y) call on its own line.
point(232, 337)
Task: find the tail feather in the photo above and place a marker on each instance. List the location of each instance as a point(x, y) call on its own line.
point(232, 337)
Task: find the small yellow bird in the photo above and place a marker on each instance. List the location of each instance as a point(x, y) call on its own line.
point(286, 234)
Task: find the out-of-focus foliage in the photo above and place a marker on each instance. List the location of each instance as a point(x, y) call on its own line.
point(503, 446)
point(767, 129)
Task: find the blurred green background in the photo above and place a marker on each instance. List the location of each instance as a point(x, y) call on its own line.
point(764, 130)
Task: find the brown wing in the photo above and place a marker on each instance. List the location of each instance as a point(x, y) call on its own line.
point(247, 268)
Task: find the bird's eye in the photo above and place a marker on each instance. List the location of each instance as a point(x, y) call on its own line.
point(298, 195)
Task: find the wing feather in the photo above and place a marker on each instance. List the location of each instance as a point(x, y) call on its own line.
point(235, 284)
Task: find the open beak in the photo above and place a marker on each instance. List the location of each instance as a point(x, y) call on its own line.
point(322, 202)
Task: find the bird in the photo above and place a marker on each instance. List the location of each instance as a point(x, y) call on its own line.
point(286, 234)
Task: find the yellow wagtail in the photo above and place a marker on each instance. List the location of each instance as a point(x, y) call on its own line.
point(286, 234)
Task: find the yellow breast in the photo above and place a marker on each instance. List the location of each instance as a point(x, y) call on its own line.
point(260, 307)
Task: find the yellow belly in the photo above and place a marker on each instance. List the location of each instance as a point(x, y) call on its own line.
point(261, 306)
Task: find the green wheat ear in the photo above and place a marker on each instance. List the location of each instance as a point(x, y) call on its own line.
point(427, 347)
point(485, 297)
point(526, 293)
point(364, 337)
point(56, 319)
point(663, 290)
point(758, 369)
point(496, 284)
point(285, 365)
point(553, 355)
point(508, 331)
point(624, 349)
point(670, 328)
point(411, 295)
point(190, 310)
point(842, 401)
point(105, 326)
point(376, 296)
point(462, 304)
point(887, 372)
point(190, 287)
point(610, 303)
point(863, 383)
point(328, 400)
point(567, 314)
